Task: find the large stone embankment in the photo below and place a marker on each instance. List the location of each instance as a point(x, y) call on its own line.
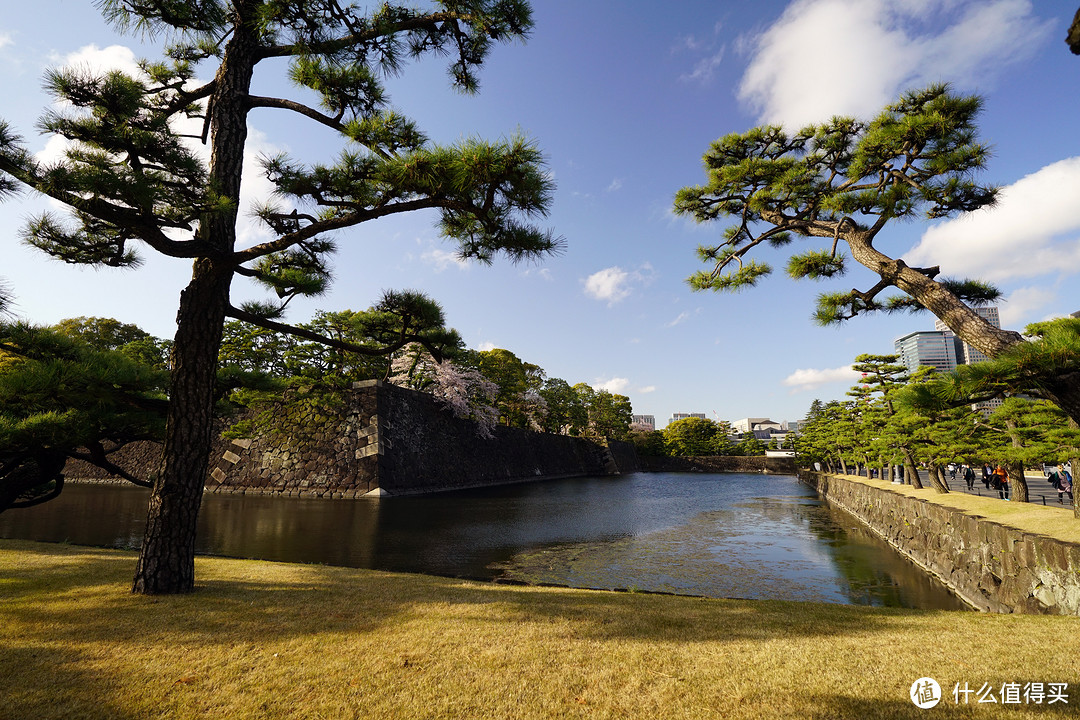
point(382, 440)
point(990, 566)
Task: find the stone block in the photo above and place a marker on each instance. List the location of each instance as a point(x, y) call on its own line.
point(231, 457)
point(1054, 555)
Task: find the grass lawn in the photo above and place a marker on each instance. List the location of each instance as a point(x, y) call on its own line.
point(273, 640)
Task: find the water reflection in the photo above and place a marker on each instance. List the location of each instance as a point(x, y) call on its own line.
point(748, 536)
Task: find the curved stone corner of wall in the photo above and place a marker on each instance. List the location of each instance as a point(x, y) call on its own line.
point(990, 566)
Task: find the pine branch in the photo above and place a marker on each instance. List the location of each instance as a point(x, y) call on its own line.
point(254, 319)
point(335, 223)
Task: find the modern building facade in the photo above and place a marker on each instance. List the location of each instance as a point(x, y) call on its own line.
point(933, 348)
point(645, 421)
point(941, 349)
point(965, 354)
point(746, 425)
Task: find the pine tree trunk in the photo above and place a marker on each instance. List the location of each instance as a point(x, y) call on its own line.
point(1018, 483)
point(911, 470)
point(937, 478)
point(167, 559)
point(1074, 463)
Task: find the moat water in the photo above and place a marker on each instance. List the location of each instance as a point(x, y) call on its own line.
point(723, 535)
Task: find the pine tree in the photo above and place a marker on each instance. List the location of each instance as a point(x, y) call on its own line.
point(132, 181)
point(846, 181)
point(59, 399)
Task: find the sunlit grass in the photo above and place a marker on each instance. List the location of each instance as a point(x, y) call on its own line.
point(1054, 521)
point(271, 640)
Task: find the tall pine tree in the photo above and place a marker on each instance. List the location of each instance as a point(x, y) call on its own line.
point(132, 182)
point(845, 182)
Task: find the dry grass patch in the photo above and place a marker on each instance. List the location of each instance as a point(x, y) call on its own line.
point(1046, 520)
point(270, 640)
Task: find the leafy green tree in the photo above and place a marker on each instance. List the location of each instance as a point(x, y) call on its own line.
point(564, 410)
point(723, 444)
point(606, 415)
point(649, 443)
point(110, 334)
point(508, 372)
point(750, 446)
point(131, 180)
point(61, 399)
point(845, 181)
point(691, 436)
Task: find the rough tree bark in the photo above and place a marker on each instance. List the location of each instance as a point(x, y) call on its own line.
point(167, 565)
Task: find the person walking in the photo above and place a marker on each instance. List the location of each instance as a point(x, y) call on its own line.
point(988, 472)
point(969, 477)
point(1001, 482)
point(1062, 482)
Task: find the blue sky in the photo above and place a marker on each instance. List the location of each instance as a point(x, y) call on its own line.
point(624, 98)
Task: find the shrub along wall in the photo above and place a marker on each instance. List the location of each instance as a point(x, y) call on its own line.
point(383, 440)
point(990, 566)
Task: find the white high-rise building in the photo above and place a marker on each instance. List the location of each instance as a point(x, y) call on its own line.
point(935, 349)
point(965, 354)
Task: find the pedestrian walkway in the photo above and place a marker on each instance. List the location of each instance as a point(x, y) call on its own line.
point(1039, 490)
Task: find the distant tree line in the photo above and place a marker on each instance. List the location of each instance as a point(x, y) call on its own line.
point(694, 437)
point(924, 419)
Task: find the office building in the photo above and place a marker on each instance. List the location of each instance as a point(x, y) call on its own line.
point(755, 424)
point(935, 349)
point(645, 421)
point(965, 354)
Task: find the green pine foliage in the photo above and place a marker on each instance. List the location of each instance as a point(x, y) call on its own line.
point(61, 398)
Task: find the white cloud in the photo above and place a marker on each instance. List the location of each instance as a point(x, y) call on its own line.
point(705, 68)
point(443, 259)
point(1034, 229)
point(683, 317)
point(1021, 305)
point(615, 386)
point(5, 40)
point(95, 59)
point(542, 273)
point(486, 346)
point(851, 57)
point(616, 184)
point(646, 390)
point(614, 284)
point(809, 379)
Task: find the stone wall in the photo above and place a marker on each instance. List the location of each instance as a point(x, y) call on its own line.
point(720, 464)
point(383, 440)
point(990, 566)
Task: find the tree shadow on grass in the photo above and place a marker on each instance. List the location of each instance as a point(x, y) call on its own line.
point(63, 606)
point(258, 598)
